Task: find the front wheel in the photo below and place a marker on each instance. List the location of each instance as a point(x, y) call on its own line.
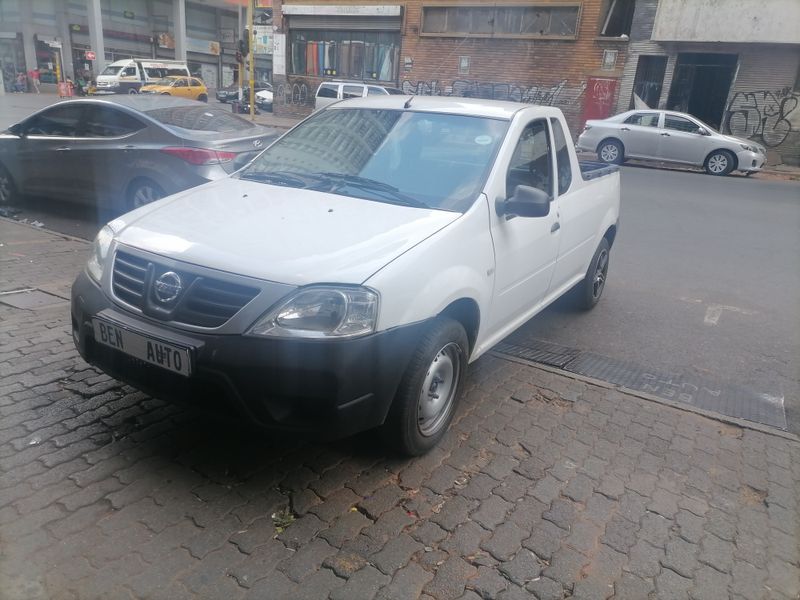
point(428, 393)
point(132, 92)
point(202, 98)
point(8, 191)
point(590, 290)
point(719, 162)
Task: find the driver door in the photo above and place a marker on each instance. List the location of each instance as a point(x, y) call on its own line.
point(525, 247)
point(681, 142)
point(181, 88)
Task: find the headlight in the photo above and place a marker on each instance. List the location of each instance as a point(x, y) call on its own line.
point(97, 259)
point(322, 312)
point(749, 148)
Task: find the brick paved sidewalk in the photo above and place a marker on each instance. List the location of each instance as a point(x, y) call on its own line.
point(545, 487)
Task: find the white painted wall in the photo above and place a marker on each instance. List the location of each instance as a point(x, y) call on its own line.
point(768, 21)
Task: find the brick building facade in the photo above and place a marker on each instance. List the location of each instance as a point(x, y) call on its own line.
point(565, 53)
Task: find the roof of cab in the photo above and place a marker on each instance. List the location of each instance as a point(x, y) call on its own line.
point(473, 107)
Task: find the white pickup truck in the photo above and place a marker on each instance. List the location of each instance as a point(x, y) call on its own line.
point(345, 278)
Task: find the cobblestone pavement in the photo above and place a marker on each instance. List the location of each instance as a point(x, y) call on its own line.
point(545, 487)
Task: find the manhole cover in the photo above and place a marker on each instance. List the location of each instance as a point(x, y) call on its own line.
point(30, 299)
point(541, 352)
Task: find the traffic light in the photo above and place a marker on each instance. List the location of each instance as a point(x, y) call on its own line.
point(244, 43)
point(239, 57)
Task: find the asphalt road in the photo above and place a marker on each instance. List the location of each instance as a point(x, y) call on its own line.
point(704, 276)
point(704, 279)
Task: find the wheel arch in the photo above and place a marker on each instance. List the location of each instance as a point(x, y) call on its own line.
point(731, 153)
point(610, 235)
point(610, 138)
point(467, 312)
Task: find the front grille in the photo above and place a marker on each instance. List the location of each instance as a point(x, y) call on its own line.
point(205, 301)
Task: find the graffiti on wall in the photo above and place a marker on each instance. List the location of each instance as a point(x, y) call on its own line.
point(762, 114)
point(553, 95)
point(293, 93)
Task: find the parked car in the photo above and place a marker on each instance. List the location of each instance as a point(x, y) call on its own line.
point(264, 99)
point(231, 92)
point(183, 87)
point(346, 277)
point(333, 91)
point(669, 136)
point(124, 151)
point(129, 75)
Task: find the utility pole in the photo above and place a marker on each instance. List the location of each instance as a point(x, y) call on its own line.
point(252, 57)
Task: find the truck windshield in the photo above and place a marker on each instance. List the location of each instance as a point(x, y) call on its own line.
point(405, 157)
point(111, 70)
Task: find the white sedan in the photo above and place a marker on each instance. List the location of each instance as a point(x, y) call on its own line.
point(668, 136)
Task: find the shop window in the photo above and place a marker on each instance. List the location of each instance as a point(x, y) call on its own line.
point(350, 55)
point(502, 21)
point(618, 18)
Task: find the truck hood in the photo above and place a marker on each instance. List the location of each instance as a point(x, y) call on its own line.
point(280, 234)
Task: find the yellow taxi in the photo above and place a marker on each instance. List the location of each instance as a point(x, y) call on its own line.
point(175, 85)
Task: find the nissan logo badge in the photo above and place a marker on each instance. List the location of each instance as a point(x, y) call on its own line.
point(167, 287)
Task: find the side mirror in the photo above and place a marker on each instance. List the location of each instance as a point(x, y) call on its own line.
point(527, 201)
point(702, 131)
point(16, 130)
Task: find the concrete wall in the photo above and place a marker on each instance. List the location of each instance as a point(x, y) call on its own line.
point(771, 21)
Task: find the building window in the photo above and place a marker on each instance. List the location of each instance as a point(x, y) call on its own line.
point(502, 21)
point(618, 18)
point(348, 54)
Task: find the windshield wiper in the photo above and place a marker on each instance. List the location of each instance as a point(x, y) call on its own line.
point(373, 185)
point(283, 178)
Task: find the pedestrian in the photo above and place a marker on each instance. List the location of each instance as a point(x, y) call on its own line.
point(21, 84)
point(34, 75)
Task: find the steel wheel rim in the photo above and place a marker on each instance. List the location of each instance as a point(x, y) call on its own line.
point(718, 163)
point(5, 189)
point(609, 152)
point(145, 194)
point(439, 388)
point(600, 272)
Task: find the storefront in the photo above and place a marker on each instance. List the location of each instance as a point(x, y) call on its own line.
point(12, 58)
point(48, 59)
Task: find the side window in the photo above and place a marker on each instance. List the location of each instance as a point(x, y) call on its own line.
point(376, 91)
point(531, 163)
point(101, 121)
point(59, 121)
point(129, 72)
point(352, 91)
point(327, 90)
point(643, 119)
point(195, 82)
point(563, 163)
point(679, 124)
point(180, 83)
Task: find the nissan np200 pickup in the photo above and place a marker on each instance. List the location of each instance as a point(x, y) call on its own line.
point(345, 278)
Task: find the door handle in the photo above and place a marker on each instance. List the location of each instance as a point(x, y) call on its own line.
point(555, 227)
point(62, 148)
point(624, 128)
point(665, 134)
point(129, 147)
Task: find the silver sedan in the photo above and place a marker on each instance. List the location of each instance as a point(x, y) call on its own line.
point(668, 136)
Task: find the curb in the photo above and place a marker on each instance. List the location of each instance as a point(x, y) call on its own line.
point(743, 423)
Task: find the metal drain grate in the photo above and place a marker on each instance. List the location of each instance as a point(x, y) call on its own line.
point(541, 352)
point(695, 390)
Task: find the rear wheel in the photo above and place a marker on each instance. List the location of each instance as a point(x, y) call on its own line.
point(589, 291)
point(202, 98)
point(143, 191)
point(428, 393)
point(165, 93)
point(611, 151)
point(132, 92)
point(8, 191)
point(719, 162)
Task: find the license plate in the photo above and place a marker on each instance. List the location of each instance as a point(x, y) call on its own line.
point(150, 350)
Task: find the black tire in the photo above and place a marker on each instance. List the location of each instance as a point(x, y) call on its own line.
point(132, 92)
point(142, 191)
point(440, 356)
point(611, 151)
point(589, 291)
point(8, 191)
point(202, 98)
point(720, 163)
point(165, 93)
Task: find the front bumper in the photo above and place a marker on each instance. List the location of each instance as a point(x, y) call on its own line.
point(750, 162)
point(331, 388)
